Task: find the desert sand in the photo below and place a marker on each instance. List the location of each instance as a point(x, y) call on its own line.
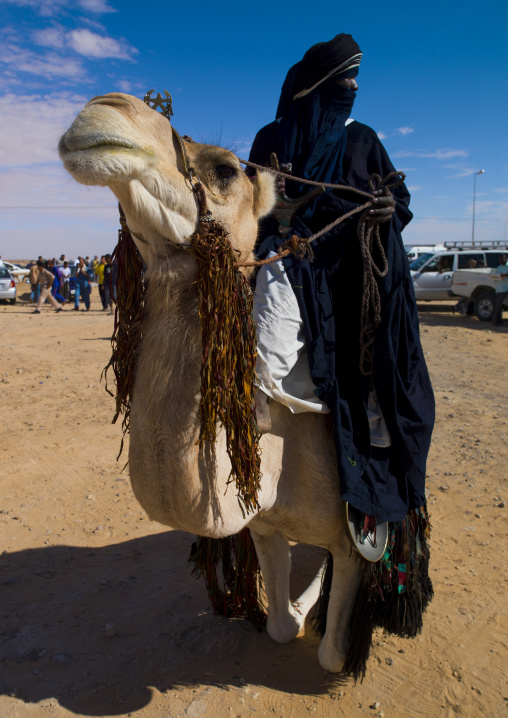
point(100, 615)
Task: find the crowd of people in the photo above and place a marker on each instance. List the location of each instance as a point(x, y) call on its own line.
point(51, 279)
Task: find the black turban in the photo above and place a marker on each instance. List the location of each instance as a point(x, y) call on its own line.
point(336, 58)
point(310, 129)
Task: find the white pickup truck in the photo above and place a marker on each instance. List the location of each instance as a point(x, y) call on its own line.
point(479, 287)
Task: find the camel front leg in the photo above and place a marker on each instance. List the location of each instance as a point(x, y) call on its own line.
point(345, 583)
point(284, 622)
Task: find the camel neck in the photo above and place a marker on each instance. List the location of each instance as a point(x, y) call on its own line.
point(168, 374)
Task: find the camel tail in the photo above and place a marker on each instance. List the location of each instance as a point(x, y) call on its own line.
point(232, 575)
point(394, 592)
point(360, 628)
point(318, 620)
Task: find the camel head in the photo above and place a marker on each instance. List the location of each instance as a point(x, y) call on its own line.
point(120, 142)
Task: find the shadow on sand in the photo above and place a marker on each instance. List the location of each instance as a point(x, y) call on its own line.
point(440, 314)
point(94, 628)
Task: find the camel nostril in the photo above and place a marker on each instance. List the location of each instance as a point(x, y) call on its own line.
point(111, 100)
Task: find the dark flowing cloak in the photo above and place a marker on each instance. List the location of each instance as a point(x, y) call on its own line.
point(385, 483)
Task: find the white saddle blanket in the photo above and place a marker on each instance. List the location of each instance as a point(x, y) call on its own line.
point(282, 366)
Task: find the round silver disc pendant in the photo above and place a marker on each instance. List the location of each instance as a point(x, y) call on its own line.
point(368, 537)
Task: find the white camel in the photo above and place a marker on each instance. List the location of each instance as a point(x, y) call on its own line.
point(120, 142)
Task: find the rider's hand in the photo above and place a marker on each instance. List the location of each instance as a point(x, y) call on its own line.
point(280, 182)
point(383, 207)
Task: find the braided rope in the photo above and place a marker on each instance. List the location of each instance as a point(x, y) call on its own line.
point(369, 237)
point(370, 316)
point(301, 245)
point(301, 180)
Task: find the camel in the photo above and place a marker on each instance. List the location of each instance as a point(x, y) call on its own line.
point(120, 142)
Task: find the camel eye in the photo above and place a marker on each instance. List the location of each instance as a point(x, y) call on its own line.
point(225, 171)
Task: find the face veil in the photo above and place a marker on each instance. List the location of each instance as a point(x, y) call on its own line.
point(313, 109)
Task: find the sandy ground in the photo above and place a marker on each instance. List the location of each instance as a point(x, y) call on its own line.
point(100, 615)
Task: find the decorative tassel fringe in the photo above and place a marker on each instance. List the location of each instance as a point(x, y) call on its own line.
point(394, 592)
point(229, 358)
point(318, 620)
point(241, 576)
point(227, 391)
point(129, 312)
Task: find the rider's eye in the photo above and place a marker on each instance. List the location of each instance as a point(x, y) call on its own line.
point(225, 171)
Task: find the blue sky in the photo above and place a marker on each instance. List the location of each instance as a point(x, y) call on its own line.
point(433, 84)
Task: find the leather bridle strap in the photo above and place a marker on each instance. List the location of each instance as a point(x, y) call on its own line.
point(197, 188)
point(190, 171)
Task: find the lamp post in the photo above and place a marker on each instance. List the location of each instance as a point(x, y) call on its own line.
point(474, 197)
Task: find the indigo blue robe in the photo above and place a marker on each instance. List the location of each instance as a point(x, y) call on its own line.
point(385, 483)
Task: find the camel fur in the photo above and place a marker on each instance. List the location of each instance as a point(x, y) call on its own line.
point(119, 142)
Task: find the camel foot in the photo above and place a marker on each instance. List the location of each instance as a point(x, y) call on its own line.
point(263, 412)
point(285, 630)
point(329, 658)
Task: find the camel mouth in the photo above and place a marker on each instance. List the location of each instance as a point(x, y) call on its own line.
point(84, 144)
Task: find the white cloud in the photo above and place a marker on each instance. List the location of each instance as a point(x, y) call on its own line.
point(495, 210)
point(434, 230)
point(461, 172)
point(414, 187)
point(97, 6)
point(52, 67)
point(90, 44)
point(18, 62)
point(32, 125)
point(52, 7)
point(50, 37)
point(447, 154)
point(125, 86)
point(441, 154)
point(57, 214)
point(42, 186)
point(15, 59)
point(398, 131)
point(52, 232)
point(84, 42)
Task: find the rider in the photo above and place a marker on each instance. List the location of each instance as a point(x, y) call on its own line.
point(383, 414)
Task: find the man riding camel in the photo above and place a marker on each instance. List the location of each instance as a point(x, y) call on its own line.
point(312, 355)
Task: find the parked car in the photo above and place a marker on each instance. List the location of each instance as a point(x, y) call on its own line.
point(19, 273)
point(413, 253)
point(479, 287)
point(432, 277)
point(7, 285)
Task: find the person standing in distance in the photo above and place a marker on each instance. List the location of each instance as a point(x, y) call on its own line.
point(501, 290)
point(45, 279)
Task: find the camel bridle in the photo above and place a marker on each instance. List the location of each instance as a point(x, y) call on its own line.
point(368, 228)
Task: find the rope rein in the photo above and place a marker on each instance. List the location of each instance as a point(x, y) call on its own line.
point(368, 234)
point(300, 246)
point(301, 180)
point(369, 239)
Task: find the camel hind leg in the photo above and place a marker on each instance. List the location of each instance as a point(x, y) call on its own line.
point(285, 618)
